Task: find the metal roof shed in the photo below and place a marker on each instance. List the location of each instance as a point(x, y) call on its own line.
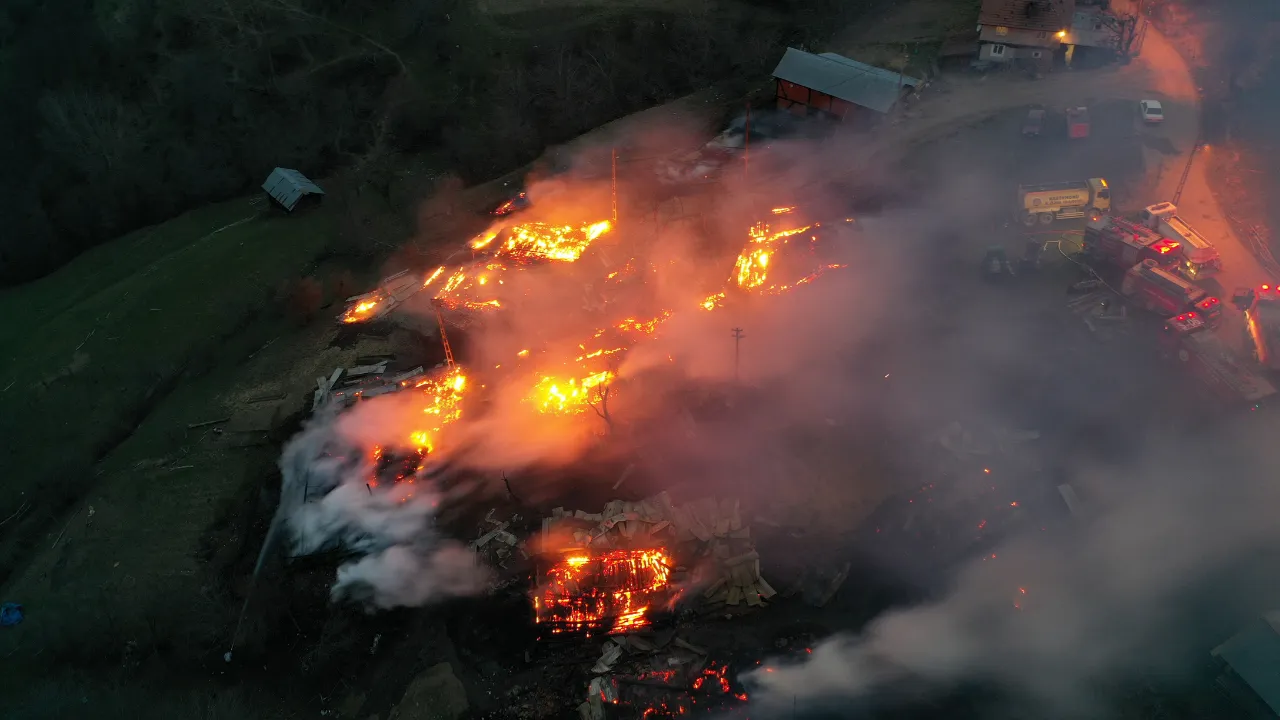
point(287, 187)
point(1254, 655)
point(845, 79)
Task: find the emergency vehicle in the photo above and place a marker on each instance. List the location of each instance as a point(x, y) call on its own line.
point(1159, 291)
point(1262, 326)
point(1113, 241)
point(1200, 259)
point(1229, 382)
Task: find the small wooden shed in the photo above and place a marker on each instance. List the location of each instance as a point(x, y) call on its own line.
point(288, 187)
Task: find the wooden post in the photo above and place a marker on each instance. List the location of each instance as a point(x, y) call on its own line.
point(615, 187)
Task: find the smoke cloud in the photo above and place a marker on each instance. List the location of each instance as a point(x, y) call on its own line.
point(1058, 617)
point(328, 503)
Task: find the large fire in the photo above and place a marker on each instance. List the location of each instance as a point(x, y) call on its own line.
point(442, 406)
point(613, 591)
point(569, 396)
point(543, 241)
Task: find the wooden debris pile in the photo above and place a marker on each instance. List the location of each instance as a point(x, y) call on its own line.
point(499, 548)
point(657, 675)
point(344, 386)
point(375, 304)
point(693, 533)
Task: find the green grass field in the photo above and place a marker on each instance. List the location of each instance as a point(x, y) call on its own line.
point(91, 349)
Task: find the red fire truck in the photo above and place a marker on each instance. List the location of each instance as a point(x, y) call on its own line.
point(1160, 291)
point(1120, 243)
point(1230, 383)
point(1262, 324)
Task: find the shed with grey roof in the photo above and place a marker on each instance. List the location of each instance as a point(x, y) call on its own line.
point(288, 187)
point(834, 84)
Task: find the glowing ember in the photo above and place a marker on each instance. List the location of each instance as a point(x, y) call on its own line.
point(467, 287)
point(660, 696)
point(361, 311)
point(443, 406)
point(567, 397)
point(713, 301)
point(646, 327)
point(752, 267)
point(540, 241)
point(433, 276)
point(614, 590)
point(783, 210)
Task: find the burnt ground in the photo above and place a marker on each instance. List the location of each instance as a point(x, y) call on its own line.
point(987, 355)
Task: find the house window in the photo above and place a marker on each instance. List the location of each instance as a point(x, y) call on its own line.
point(1042, 35)
point(997, 50)
point(1002, 30)
point(1035, 53)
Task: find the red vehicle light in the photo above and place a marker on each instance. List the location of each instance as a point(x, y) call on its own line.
point(1208, 302)
point(1185, 317)
point(1165, 246)
point(1265, 288)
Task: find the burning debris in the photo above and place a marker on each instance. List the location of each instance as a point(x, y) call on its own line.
point(659, 676)
point(535, 241)
point(615, 568)
point(389, 294)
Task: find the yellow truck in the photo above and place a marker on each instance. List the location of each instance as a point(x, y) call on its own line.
point(1062, 201)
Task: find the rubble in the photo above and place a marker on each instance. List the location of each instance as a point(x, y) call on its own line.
point(659, 676)
point(375, 304)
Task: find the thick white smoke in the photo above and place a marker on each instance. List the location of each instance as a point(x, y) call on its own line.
point(1055, 616)
point(328, 502)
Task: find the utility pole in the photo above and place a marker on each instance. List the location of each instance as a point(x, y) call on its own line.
point(746, 144)
point(737, 342)
point(615, 187)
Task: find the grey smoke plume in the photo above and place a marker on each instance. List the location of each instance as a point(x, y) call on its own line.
point(1054, 617)
point(326, 503)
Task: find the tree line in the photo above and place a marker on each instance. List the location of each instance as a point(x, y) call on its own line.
point(122, 113)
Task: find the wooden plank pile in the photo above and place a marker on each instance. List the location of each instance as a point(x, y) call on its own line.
point(344, 386)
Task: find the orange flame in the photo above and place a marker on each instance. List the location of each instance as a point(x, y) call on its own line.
point(361, 311)
point(541, 241)
point(613, 590)
point(559, 396)
point(443, 406)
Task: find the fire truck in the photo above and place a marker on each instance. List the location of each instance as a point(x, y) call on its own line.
point(1062, 201)
point(1229, 382)
point(1262, 323)
point(1200, 259)
point(1113, 241)
point(1159, 291)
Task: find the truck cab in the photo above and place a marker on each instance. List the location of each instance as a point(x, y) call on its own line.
point(1199, 259)
point(1116, 242)
point(1227, 382)
point(1047, 202)
point(1160, 291)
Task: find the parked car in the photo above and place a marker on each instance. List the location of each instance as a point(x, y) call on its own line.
point(1034, 123)
point(1152, 112)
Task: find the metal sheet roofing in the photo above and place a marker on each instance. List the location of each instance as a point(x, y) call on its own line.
point(1042, 15)
point(838, 76)
point(1254, 654)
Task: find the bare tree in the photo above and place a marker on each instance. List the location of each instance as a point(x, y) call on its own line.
point(1124, 30)
point(599, 401)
